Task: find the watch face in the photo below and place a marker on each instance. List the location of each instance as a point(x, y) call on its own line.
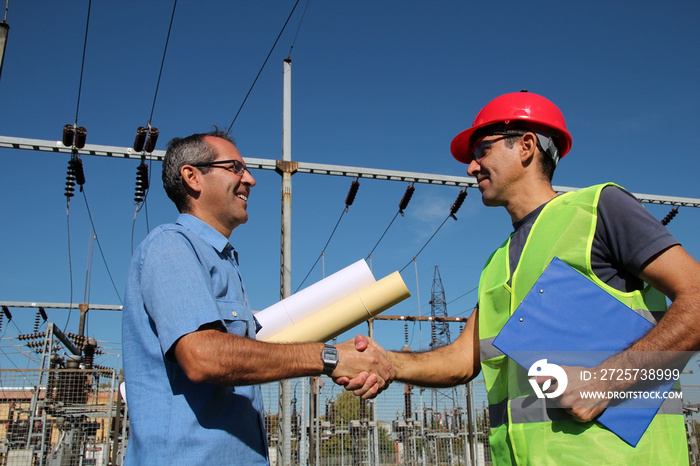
point(330, 355)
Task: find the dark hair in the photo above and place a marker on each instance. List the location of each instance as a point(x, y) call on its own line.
point(190, 150)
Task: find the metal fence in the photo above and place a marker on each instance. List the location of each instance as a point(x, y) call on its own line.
point(60, 417)
point(405, 425)
point(77, 417)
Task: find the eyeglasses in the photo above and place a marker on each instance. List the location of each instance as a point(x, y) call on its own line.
point(544, 143)
point(238, 167)
point(483, 146)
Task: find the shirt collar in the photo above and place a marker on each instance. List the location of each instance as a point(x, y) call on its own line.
point(204, 230)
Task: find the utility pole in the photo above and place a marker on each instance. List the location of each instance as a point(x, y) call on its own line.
point(286, 168)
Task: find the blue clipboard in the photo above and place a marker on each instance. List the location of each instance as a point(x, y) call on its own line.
point(569, 320)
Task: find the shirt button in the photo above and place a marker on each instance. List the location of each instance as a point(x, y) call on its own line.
point(235, 314)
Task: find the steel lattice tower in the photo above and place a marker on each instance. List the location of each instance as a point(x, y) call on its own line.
point(440, 329)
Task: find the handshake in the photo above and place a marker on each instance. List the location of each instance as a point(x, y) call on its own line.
point(367, 369)
point(363, 367)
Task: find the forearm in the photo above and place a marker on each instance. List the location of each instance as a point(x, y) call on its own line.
point(216, 357)
point(446, 366)
point(441, 367)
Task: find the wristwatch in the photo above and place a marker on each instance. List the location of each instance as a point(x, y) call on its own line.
point(329, 355)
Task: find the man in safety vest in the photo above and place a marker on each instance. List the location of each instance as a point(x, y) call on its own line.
point(602, 231)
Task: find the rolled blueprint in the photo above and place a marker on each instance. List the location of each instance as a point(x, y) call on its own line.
point(312, 299)
point(346, 313)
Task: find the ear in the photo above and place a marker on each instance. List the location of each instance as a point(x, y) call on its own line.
point(528, 146)
point(192, 178)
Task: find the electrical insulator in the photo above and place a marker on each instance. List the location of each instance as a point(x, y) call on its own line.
point(142, 183)
point(140, 139)
point(70, 181)
point(79, 173)
point(43, 314)
point(151, 140)
point(36, 322)
point(89, 352)
point(458, 203)
point(1, 322)
point(68, 134)
point(74, 175)
point(667, 219)
point(6, 311)
point(352, 193)
point(80, 137)
point(406, 198)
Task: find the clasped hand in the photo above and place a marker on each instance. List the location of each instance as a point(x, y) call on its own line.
point(363, 367)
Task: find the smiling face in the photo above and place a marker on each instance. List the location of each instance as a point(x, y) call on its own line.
point(220, 196)
point(495, 166)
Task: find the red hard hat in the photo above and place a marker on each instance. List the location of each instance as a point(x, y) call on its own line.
point(517, 108)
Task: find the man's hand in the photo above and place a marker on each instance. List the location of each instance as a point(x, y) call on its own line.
point(363, 367)
point(580, 409)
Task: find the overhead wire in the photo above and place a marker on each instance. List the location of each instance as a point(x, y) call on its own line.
point(296, 34)
point(453, 210)
point(402, 206)
point(75, 137)
point(349, 199)
point(99, 246)
point(162, 62)
point(150, 135)
point(263, 66)
point(82, 65)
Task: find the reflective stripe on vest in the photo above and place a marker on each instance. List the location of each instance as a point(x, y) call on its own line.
point(533, 409)
point(488, 351)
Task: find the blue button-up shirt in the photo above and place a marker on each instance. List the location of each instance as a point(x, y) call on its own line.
point(183, 276)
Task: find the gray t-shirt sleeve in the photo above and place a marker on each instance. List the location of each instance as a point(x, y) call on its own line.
point(627, 237)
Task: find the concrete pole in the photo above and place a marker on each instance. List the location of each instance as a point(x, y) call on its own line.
point(285, 427)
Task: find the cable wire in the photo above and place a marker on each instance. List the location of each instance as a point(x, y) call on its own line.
point(403, 204)
point(99, 246)
point(426, 243)
point(322, 251)
point(289, 56)
point(70, 271)
point(82, 66)
point(162, 63)
point(383, 234)
point(262, 67)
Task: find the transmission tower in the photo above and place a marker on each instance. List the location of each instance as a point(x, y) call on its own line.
point(440, 329)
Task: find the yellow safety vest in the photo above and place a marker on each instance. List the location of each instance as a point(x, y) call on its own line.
point(520, 432)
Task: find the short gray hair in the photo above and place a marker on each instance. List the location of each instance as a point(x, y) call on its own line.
point(190, 150)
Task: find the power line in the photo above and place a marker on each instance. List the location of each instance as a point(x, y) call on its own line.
point(453, 210)
point(289, 56)
point(263, 66)
point(349, 199)
point(82, 66)
point(402, 206)
point(162, 62)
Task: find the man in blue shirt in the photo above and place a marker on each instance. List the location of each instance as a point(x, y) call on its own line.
point(191, 362)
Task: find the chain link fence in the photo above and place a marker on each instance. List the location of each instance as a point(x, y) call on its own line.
point(60, 417)
point(404, 425)
point(77, 417)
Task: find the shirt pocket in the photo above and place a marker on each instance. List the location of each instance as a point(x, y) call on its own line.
point(236, 316)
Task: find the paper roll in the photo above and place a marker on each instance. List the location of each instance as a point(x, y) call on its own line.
point(314, 298)
point(345, 314)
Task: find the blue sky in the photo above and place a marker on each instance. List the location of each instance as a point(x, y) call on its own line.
point(380, 84)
